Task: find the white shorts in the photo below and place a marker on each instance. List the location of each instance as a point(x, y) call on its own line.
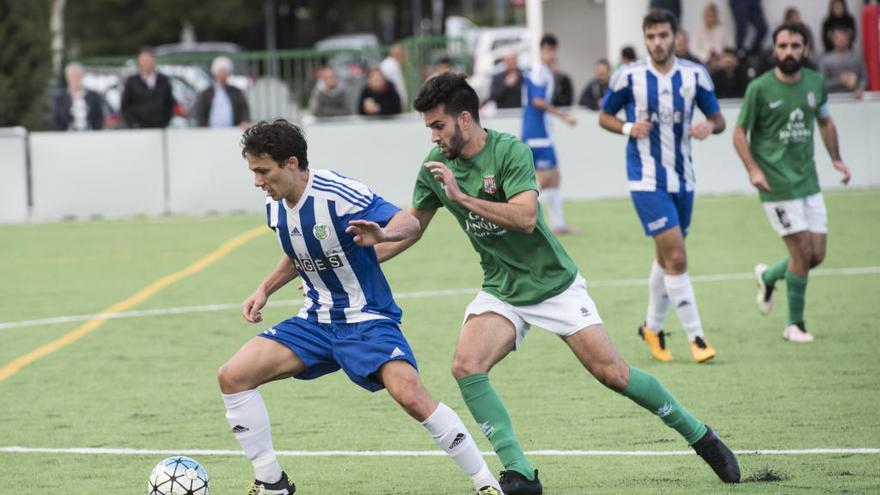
point(563, 314)
point(798, 215)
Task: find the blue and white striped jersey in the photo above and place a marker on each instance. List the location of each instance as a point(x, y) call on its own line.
point(662, 160)
point(536, 125)
point(343, 280)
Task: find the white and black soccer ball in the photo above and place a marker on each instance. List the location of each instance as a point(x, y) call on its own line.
point(178, 475)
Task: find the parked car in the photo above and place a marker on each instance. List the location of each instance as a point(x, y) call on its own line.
point(491, 45)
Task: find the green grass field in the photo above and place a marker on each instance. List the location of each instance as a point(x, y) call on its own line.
point(150, 382)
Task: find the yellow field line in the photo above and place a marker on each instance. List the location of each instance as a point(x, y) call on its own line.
point(140, 296)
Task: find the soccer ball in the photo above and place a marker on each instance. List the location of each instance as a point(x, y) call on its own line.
point(178, 475)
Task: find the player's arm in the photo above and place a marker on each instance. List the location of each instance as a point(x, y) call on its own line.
point(519, 213)
point(544, 106)
point(741, 144)
point(635, 130)
point(714, 124)
point(828, 131)
point(401, 226)
point(283, 273)
point(387, 250)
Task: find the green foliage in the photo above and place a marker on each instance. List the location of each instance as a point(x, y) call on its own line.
point(150, 383)
point(25, 62)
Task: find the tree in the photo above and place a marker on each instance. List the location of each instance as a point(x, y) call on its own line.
point(25, 62)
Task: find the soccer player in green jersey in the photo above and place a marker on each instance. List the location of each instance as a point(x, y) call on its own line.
point(778, 114)
point(486, 180)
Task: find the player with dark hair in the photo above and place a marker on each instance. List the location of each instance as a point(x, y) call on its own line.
point(539, 86)
point(777, 114)
point(659, 95)
point(486, 180)
point(327, 226)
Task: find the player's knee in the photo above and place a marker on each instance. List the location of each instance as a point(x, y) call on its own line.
point(817, 259)
point(612, 376)
point(230, 382)
point(675, 261)
point(463, 366)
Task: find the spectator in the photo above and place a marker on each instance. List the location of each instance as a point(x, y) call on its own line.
point(711, 37)
point(443, 64)
point(843, 68)
point(730, 77)
point(392, 69)
point(628, 55)
point(379, 96)
point(222, 105)
point(745, 13)
point(594, 91)
point(329, 98)
point(147, 101)
point(563, 89)
point(77, 108)
point(506, 89)
point(682, 50)
point(838, 17)
point(673, 6)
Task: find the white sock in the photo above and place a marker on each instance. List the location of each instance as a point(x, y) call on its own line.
point(249, 419)
point(450, 434)
point(658, 299)
point(553, 198)
point(681, 292)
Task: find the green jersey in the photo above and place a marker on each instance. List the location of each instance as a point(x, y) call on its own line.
point(518, 268)
point(780, 118)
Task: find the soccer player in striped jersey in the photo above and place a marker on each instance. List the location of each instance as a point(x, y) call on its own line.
point(659, 95)
point(538, 87)
point(327, 226)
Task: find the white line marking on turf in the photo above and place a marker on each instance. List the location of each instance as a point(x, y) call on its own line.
point(416, 453)
point(723, 277)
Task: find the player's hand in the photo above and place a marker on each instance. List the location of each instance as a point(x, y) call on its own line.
point(756, 177)
point(251, 307)
point(843, 169)
point(443, 175)
point(568, 119)
point(640, 129)
point(366, 233)
point(702, 130)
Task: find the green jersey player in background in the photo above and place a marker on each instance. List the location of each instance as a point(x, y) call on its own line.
point(486, 180)
point(778, 113)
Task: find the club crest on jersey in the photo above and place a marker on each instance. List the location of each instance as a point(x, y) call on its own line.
point(489, 185)
point(321, 231)
point(811, 99)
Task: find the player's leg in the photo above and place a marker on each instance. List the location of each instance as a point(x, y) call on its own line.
point(490, 332)
point(403, 384)
point(594, 350)
point(800, 250)
point(259, 361)
point(549, 178)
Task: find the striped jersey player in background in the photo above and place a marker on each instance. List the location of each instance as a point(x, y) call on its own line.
point(327, 226)
point(659, 95)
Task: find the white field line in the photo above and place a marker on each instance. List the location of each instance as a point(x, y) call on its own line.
point(420, 453)
point(722, 277)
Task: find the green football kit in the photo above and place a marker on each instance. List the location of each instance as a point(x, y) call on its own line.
point(521, 269)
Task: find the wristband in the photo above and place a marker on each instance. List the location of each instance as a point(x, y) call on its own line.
point(627, 128)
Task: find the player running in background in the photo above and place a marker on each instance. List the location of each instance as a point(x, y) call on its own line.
point(778, 113)
point(486, 180)
point(327, 226)
point(659, 95)
point(536, 126)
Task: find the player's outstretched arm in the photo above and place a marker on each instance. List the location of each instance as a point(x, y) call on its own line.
point(367, 233)
point(741, 143)
point(829, 136)
point(387, 250)
point(542, 105)
point(283, 273)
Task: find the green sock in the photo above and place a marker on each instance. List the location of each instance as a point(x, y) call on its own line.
point(776, 272)
point(797, 295)
point(648, 392)
point(489, 412)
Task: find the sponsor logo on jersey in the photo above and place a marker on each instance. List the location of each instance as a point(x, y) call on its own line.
point(664, 116)
point(796, 130)
point(775, 104)
point(489, 185)
point(318, 264)
point(295, 232)
point(321, 231)
point(480, 227)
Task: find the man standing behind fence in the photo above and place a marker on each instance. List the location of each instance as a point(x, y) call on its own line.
point(222, 105)
point(146, 99)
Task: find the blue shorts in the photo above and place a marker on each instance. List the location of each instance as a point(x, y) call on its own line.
point(660, 211)
point(360, 349)
point(544, 158)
